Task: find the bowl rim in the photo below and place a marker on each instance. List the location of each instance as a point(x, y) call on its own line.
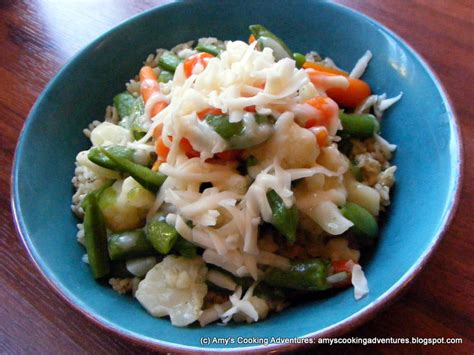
point(344, 326)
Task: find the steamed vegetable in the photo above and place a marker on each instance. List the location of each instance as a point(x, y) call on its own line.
point(161, 235)
point(96, 156)
point(95, 236)
point(359, 125)
point(300, 59)
point(165, 76)
point(124, 103)
point(209, 48)
point(194, 60)
point(223, 127)
point(185, 248)
point(309, 275)
point(268, 39)
point(284, 219)
point(169, 61)
point(146, 177)
point(129, 244)
point(365, 225)
point(149, 86)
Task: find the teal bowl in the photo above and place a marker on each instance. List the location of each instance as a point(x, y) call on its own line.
point(422, 124)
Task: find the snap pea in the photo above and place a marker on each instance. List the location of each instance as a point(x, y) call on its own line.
point(223, 127)
point(129, 244)
point(359, 125)
point(124, 103)
point(365, 225)
point(169, 61)
point(300, 59)
point(138, 131)
point(284, 219)
point(165, 76)
point(96, 156)
point(149, 179)
point(270, 40)
point(161, 235)
point(95, 234)
point(209, 48)
point(309, 275)
point(185, 248)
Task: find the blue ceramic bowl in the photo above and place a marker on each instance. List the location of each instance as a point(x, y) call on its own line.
point(422, 124)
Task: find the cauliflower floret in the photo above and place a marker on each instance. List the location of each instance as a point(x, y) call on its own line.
point(175, 287)
point(109, 133)
point(295, 146)
point(125, 205)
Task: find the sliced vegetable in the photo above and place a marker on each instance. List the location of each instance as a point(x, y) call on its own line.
point(140, 266)
point(356, 171)
point(96, 156)
point(95, 234)
point(149, 86)
point(194, 60)
point(284, 219)
point(165, 76)
point(223, 127)
point(124, 103)
point(359, 125)
point(270, 40)
point(365, 225)
point(129, 244)
point(161, 235)
point(300, 59)
point(185, 248)
point(209, 48)
point(169, 61)
point(324, 68)
point(146, 177)
point(309, 275)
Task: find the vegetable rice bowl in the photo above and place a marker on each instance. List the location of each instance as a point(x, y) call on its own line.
point(231, 179)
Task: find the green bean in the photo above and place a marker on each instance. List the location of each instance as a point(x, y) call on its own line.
point(149, 179)
point(161, 235)
point(223, 127)
point(365, 225)
point(284, 219)
point(169, 61)
point(264, 119)
point(165, 76)
point(359, 125)
point(309, 275)
point(129, 244)
point(124, 104)
point(209, 48)
point(185, 248)
point(300, 59)
point(95, 234)
point(270, 40)
point(96, 156)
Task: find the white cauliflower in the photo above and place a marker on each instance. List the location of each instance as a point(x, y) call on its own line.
point(295, 146)
point(175, 287)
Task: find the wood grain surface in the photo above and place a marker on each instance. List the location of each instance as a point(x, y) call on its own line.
point(38, 37)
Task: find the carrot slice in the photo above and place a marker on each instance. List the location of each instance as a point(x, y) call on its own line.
point(209, 111)
point(229, 155)
point(320, 67)
point(251, 39)
point(149, 86)
point(199, 58)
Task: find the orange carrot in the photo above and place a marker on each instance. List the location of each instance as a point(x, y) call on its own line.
point(326, 108)
point(188, 149)
point(351, 97)
point(208, 111)
point(250, 109)
point(161, 149)
point(323, 68)
point(148, 86)
point(251, 39)
point(199, 58)
point(229, 154)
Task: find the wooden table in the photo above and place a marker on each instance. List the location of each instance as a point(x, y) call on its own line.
point(38, 37)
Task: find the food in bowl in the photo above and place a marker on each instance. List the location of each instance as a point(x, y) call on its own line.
point(232, 178)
